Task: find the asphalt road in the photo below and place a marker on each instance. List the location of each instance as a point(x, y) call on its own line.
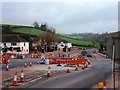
point(15, 63)
point(99, 71)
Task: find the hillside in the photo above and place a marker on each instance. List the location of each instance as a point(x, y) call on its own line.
point(30, 31)
point(26, 32)
point(89, 36)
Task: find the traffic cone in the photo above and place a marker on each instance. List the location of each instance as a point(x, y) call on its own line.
point(22, 77)
point(104, 85)
point(83, 67)
point(14, 82)
point(30, 64)
point(8, 61)
point(38, 62)
point(25, 65)
point(86, 65)
point(76, 69)
point(48, 74)
point(68, 70)
point(7, 67)
point(1, 62)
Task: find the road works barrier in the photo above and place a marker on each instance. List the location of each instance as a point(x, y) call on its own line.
point(70, 61)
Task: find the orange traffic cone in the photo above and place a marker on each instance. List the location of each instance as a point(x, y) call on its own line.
point(68, 70)
point(86, 65)
point(25, 65)
point(7, 67)
point(14, 82)
point(8, 61)
point(76, 69)
point(22, 77)
point(48, 74)
point(104, 85)
point(30, 64)
point(83, 67)
point(1, 62)
point(38, 62)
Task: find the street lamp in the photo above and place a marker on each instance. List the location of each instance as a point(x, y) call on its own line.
point(113, 63)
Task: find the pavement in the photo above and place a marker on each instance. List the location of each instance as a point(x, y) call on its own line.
point(109, 80)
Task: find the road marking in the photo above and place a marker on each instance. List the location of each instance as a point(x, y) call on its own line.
point(35, 79)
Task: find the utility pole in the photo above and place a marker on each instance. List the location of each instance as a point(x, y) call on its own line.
point(113, 64)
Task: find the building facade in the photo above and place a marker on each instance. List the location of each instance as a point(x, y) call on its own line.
point(113, 39)
point(14, 45)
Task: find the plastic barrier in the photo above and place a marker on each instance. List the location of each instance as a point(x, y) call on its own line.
point(68, 61)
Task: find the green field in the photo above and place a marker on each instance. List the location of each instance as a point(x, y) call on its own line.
point(30, 31)
point(79, 42)
point(33, 31)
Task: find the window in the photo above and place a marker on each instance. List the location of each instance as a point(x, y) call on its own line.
point(27, 50)
point(24, 44)
point(13, 43)
point(4, 44)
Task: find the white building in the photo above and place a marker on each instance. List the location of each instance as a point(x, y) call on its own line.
point(14, 44)
point(64, 44)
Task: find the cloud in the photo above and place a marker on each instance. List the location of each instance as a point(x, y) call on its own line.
point(66, 17)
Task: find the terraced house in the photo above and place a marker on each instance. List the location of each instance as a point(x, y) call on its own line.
point(14, 44)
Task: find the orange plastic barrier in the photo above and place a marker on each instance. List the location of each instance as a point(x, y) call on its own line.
point(68, 61)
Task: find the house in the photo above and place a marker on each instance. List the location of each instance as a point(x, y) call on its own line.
point(14, 44)
point(113, 39)
point(64, 44)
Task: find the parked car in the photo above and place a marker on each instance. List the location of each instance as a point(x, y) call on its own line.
point(89, 54)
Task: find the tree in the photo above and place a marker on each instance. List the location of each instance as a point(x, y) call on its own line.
point(6, 29)
point(36, 25)
point(44, 26)
point(45, 40)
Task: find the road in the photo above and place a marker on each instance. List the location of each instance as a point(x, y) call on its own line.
point(99, 71)
point(15, 63)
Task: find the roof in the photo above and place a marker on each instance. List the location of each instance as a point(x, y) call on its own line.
point(64, 41)
point(115, 34)
point(12, 38)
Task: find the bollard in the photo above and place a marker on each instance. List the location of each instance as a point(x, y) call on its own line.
point(100, 85)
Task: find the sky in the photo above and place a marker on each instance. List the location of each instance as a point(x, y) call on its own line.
point(66, 16)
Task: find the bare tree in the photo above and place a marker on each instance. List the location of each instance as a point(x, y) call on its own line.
point(36, 25)
point(45, 40)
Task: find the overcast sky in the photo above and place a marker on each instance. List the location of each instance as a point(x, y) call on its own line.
point(66, 16)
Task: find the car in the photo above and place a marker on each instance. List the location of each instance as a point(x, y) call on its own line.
point(89, 54)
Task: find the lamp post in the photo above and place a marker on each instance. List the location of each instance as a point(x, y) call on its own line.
point(113, 64)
